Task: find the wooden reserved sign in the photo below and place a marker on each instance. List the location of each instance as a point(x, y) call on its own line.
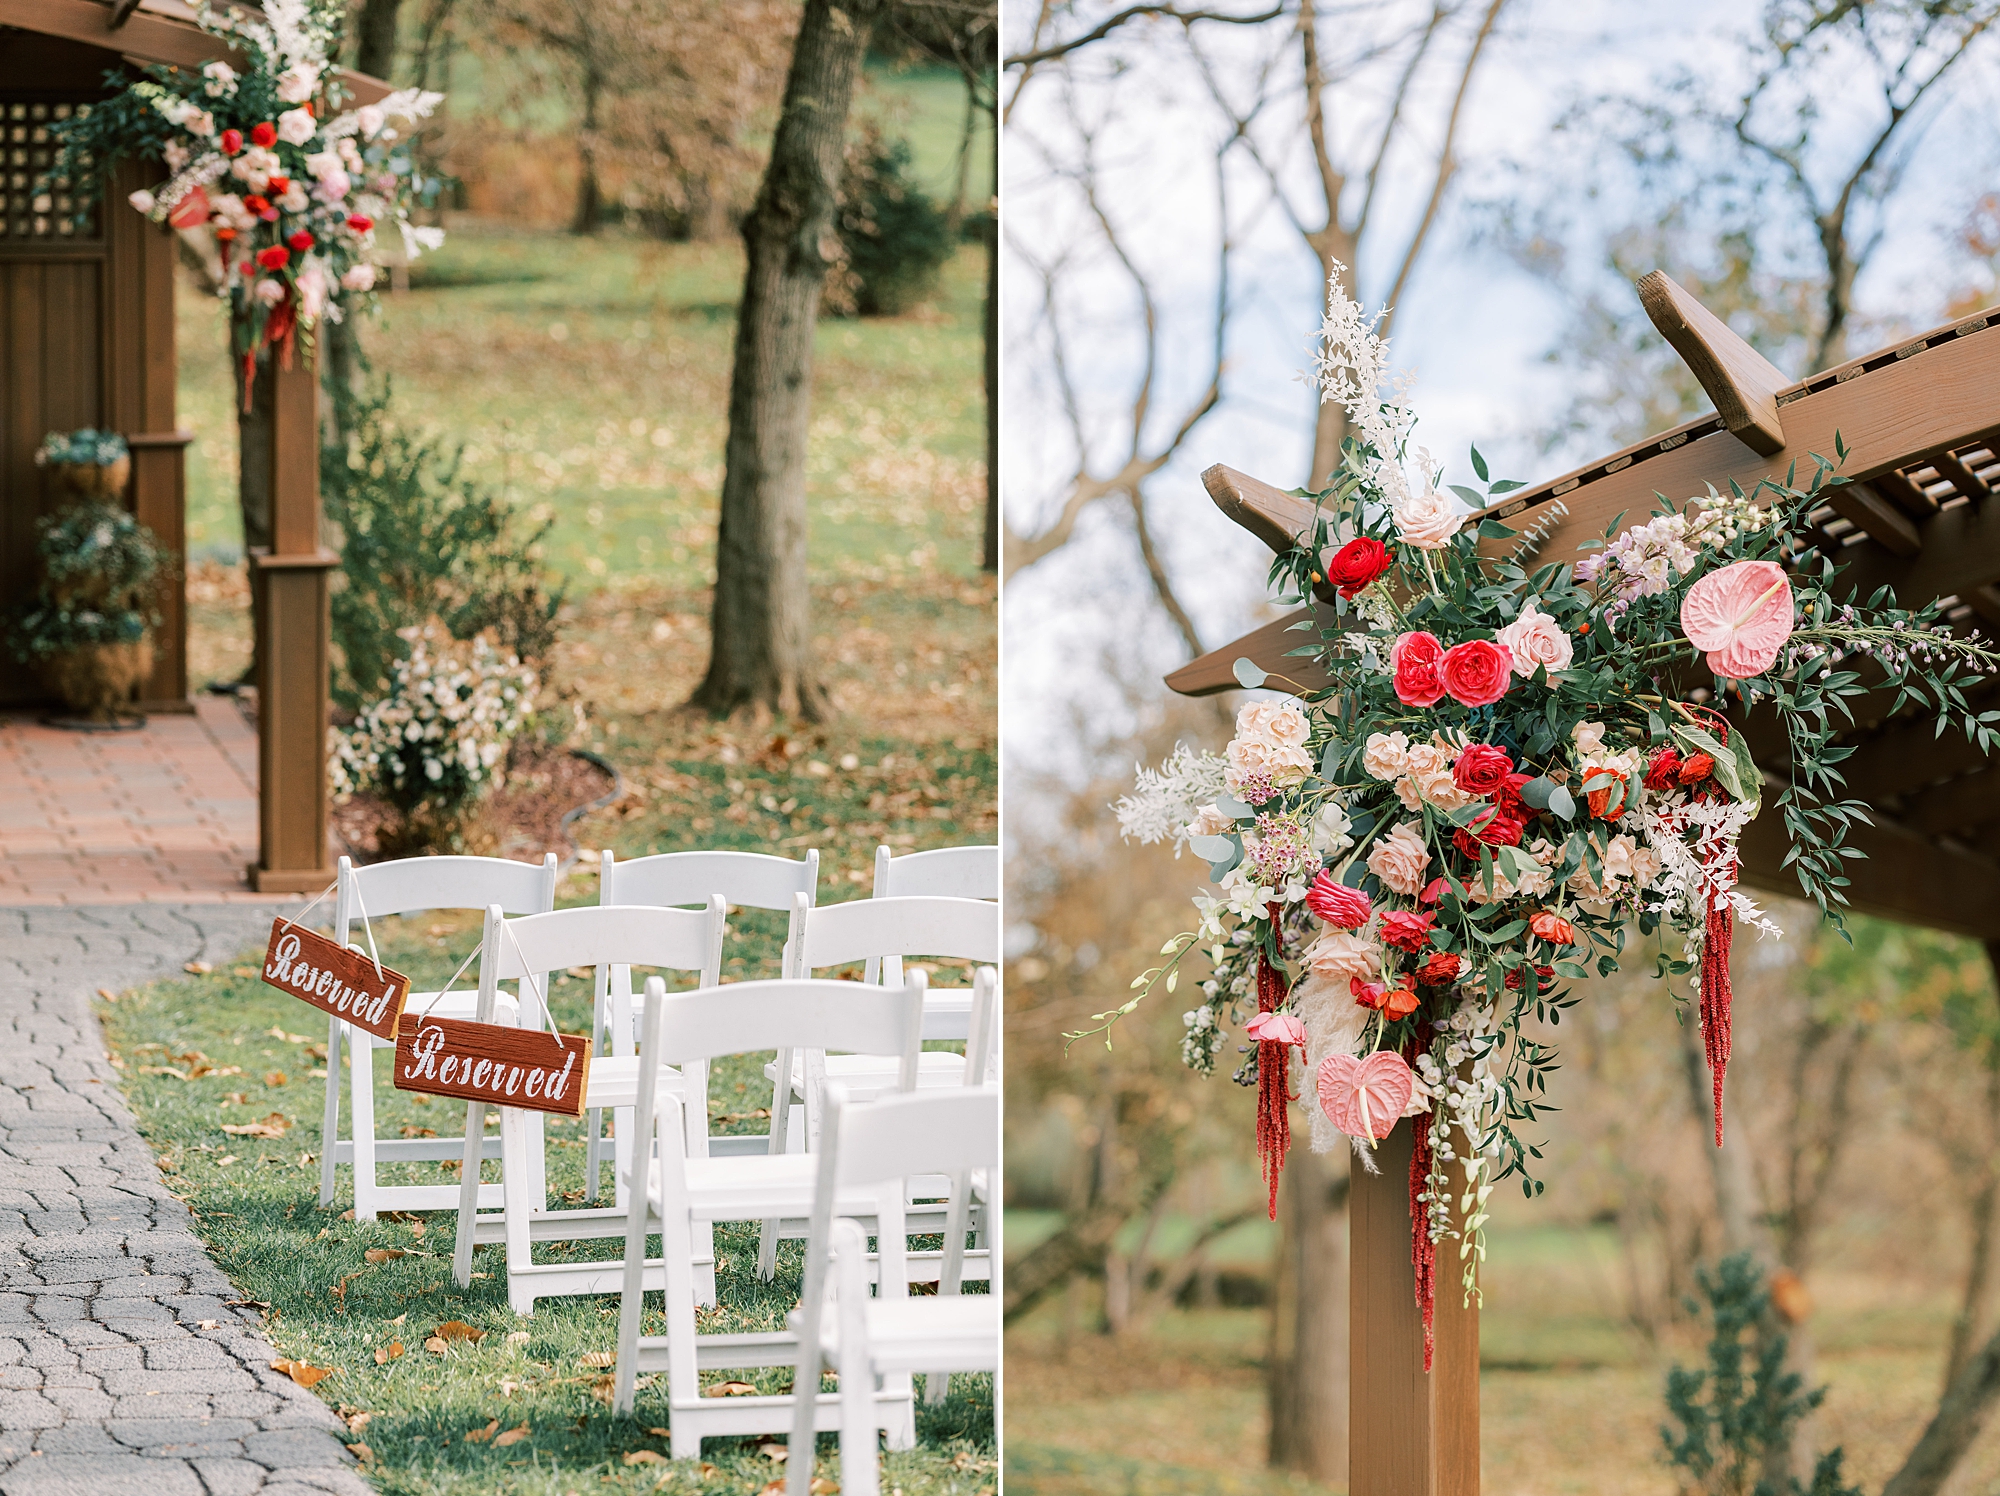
point(334, 979)
point(492, 1062)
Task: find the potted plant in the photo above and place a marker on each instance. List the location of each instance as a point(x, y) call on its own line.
point(88, 628)
point(89, 464)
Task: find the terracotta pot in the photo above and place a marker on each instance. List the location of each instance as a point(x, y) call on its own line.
point(97, 679)
point(91, 480)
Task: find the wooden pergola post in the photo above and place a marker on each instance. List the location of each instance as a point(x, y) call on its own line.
point(289, 595)
point(1409, 1432)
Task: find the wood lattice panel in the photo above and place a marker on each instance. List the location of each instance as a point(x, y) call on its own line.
point(32, 209)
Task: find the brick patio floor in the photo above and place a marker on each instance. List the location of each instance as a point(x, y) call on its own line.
point(167, 814)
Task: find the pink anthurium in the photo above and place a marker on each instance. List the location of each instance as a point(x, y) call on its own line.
point(1275, 1028)
point(1365, 1097)
point(1741, 615)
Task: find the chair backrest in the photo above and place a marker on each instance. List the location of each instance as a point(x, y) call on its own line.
point(754, 1016)
point(615, 935)
point(921, 1132)
point(982, 1045)
point(943, 872)
point(748, 880)
point(420, 885)
point(863, 929)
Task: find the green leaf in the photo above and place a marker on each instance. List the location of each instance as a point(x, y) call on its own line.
point(1492, 529)
point(1537, 792)
point(1561, 804)
point(1247, 674)
point(1506, 485)
point(1212, 848)
point(1479, 465)
point(1471, 496)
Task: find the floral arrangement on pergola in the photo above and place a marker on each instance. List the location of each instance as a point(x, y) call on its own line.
point(1504, 769)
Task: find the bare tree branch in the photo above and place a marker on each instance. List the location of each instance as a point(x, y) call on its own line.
point(1097, 33)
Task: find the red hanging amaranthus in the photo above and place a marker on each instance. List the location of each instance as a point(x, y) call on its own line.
point(1274, 1124)
point(1423, 1251)
point(1715, 995)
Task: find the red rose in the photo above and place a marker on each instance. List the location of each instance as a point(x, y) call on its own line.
point(1433, 891)
point(1545, 978)
point(1340, 906)
point(1481, 769)
point(265, 134)
point(1407, 931)
point(1356, 564)
point(232, 142)
point(277, 186)
point(1664, 771)
point(1552, 928)
point(1608, 802)
point(1414, 659)
point(301, 241)
point(225, 233)
point(274, 258)
point(1507, 799)
point(1367, 994)
point(361, 223)
point(1495, 829)
point(256, 204)
point(1697, 767)
point(1399, 1002)
point(1477, 672)
point(1441, 970)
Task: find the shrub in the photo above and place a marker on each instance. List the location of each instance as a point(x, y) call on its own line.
point(437, 741)
point(1738, 1415)
point(100, 572)
point(421, 542)
point(98, 448)
point(893, 237)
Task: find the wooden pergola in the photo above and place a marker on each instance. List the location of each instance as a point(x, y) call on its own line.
point(87, 339)
point(1921, 422)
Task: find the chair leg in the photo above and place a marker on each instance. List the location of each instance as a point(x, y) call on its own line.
point(951, 1270)
point(517, 1184)
point(859, 1462)
point(593, 1127)
point(329, 1127)
point(468, 1191)
point(781, 1095)
point(361, 1054)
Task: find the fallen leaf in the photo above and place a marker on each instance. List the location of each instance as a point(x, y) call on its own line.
point(356, 1422)
point(436, 1346)
point(206, 1324)
point(604, 1389)
point(347, 1215)
point(411, 1130)
point(226, 1160)
point(236, 1098)
point(362, 1453)
point(274, 1126)
point(661, 1433)
point(387, 1353)
point(513, 1436)
point(599, 1358)
point(773, 1452)
point(107, 994)
point(458, 1329)
point(163, 1070)
point(417, 1229)
point(278, 1033)
point(730, 1389)
point(243, 971)
point(703, 1470)
point(383, 1254)
point(302, 1373)
point(197, 968)
point(519, 1337)
point(481, 1435)
point(821, 1486)
point(275, 1077)
point(398, 1319)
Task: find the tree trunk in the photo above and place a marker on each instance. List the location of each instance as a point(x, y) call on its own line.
point(589, 201)
point(375, 38)
point(1307, 1367)
point(989, 556)
point(1968, 1402)
point(1979, 1272)
point(761, 655)
point(253, 458)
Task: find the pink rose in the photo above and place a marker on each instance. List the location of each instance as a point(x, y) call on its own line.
point(1401, 859)
point(1414, 660)
point(1537, 642)
point(1275, 1028)
point(1475, 673)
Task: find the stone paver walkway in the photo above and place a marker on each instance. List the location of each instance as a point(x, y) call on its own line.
point(167, 814)
point(123, 1369)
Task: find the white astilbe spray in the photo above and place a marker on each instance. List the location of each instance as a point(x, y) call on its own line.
point(1699, 862)
point(1165, 799)
point(1351, 368)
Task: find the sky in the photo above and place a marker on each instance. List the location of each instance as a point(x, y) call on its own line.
point(1081, 636)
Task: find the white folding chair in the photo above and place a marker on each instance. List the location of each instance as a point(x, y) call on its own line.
point(526, 950)
point(671, 1193)
point(875, 1149)
point(747, 880)
point(941, 873)
point(412, 885)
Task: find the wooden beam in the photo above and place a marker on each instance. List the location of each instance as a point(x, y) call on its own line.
point(1905, 877)
point(1410, 1433)
point(1861, 506)
point(1279, 519)
point(1962, 477)
point(142, 35)
point(1741, 382)
point(1904, 494)
point(1265, 648)
point(1888, 417)
point(1955, 807)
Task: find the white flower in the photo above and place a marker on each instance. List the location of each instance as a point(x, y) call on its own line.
point(311, 281)
point(369, 118)
point(295, 199)
point(1427, 519)
point(1588, 737)
point(1537, 641)
point(142, 200)
point(1332, 831)
point(322, 164)
point(1275, 724)
point(359, 277)
point(298, 83)
point(199, 122)
point(1386, 755)
point(270, 291)
point(221, 79)
point(177, 155)
point(297, 126)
